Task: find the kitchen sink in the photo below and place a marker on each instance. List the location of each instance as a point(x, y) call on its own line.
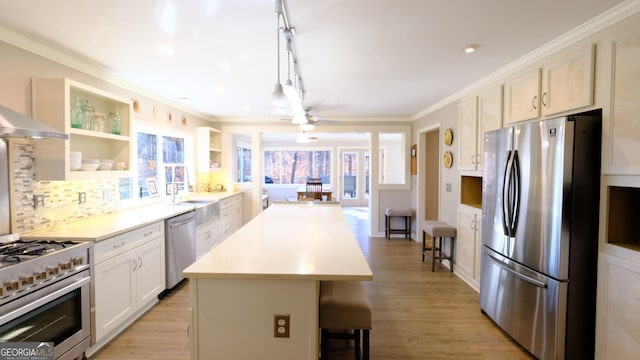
point(206, 210)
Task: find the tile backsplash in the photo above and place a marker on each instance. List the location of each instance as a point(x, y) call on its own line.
point(61, 203)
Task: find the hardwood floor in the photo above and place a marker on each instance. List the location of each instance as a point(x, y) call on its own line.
point(417, 314)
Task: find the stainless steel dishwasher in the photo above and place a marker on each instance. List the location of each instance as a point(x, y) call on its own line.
point(180, 235)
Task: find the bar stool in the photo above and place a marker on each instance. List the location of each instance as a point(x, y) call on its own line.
point(343, 305)
point(437, 230)
point(406, 213)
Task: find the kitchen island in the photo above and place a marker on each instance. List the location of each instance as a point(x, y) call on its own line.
point(271, 266)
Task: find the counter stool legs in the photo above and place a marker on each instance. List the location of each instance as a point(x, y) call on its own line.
point(406, 214)
point(437, 230)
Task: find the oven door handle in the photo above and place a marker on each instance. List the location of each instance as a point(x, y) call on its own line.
point(44, 300)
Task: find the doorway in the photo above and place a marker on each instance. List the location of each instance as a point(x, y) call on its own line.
point(354, 177)
point(428, 180)
point(432, 175)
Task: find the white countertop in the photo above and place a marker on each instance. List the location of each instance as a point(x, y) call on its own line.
point(288, 241)
point(97, 228)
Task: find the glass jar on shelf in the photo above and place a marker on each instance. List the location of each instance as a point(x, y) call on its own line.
point(113, 122)
point(76, 113)
point(87, 117)
point(98, 123)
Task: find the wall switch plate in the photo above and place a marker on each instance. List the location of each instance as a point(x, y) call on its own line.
point(38, 201)
point(82, 197)
point(281, 326)
point(447, 187)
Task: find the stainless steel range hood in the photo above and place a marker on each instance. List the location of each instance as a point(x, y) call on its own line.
point(14, 124)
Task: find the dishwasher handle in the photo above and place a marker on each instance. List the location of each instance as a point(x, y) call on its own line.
point(180, 223)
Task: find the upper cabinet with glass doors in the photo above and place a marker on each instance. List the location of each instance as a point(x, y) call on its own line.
point(98, 133)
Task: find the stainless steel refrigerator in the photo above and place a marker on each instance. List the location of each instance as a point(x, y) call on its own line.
point(540, 206)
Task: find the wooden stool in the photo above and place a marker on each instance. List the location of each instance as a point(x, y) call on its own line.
point(406, 213)
point(438, 230)
point(344, 306)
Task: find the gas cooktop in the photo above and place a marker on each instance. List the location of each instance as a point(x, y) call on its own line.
point(21, 250)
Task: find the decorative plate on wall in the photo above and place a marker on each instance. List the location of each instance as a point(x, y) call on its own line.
point(448, 137)
point(447, 159)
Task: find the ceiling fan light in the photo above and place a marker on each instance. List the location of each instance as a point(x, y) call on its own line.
point(307, 127)
point(299, 119)
point(302, 138)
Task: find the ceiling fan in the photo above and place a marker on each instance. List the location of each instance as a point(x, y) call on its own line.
point(303, 137)
point(308, 121)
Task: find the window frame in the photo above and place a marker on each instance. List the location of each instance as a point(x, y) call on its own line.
point(331, 167)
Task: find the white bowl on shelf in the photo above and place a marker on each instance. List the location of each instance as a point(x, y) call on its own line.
point(75, 165)
point(105, 166)
point(119, 165)
point(89, 167)
point(75, 155)
point(91, 161)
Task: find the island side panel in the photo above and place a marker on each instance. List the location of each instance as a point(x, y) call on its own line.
point(233, 318)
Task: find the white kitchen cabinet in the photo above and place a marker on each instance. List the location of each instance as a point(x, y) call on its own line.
point(622, 147)
point(567, 83)
point(467, 246)
point(563, 84)
point(522, 97)
point(230, 215)
point(208, 149)
point(52, 102)
point(617, 320)
point(129, 275)
point(468, 128)
point(477, 116)
point(206, 237)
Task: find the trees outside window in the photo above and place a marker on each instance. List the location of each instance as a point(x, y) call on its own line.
point(243, 163)
point(296, 166)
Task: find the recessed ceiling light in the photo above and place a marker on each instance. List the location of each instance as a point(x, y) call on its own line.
point(166, 50)
point(246, 108)
point(183, 98)
point(471, 48)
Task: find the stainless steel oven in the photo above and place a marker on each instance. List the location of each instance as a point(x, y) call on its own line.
point(47, 298)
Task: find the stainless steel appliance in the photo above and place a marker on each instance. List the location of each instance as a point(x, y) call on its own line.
point(45, 295)
point(44, 286)
point(180, 237)
point(540, 233)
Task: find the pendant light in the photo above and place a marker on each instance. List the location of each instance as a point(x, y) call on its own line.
point(278, 98)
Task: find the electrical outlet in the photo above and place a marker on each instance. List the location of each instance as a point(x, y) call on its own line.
point(38, 201)
point(280, 326)
point(82, 197)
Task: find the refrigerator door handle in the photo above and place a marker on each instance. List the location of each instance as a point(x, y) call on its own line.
point(515, 211)
point(524, 277)
point(505, 198)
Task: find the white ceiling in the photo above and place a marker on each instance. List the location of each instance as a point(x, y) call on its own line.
point(358, 58)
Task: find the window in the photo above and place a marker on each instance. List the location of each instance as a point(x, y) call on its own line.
point(243, 163)
point(392, 158)
point(162, 157)
point(296, 166)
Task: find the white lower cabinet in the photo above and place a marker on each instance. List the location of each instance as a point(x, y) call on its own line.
point(206, 237)
point(467, 246)
point(230, 216)
point(129, 274)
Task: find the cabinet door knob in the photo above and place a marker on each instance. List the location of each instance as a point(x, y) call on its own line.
point(544, 97)
point(140, 262)
point(534, 102)
point(135, 264)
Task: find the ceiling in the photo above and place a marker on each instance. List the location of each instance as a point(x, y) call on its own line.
point(358, 58)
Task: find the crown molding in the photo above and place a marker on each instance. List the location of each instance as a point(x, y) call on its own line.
point(27, 44)
point(593, 26)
